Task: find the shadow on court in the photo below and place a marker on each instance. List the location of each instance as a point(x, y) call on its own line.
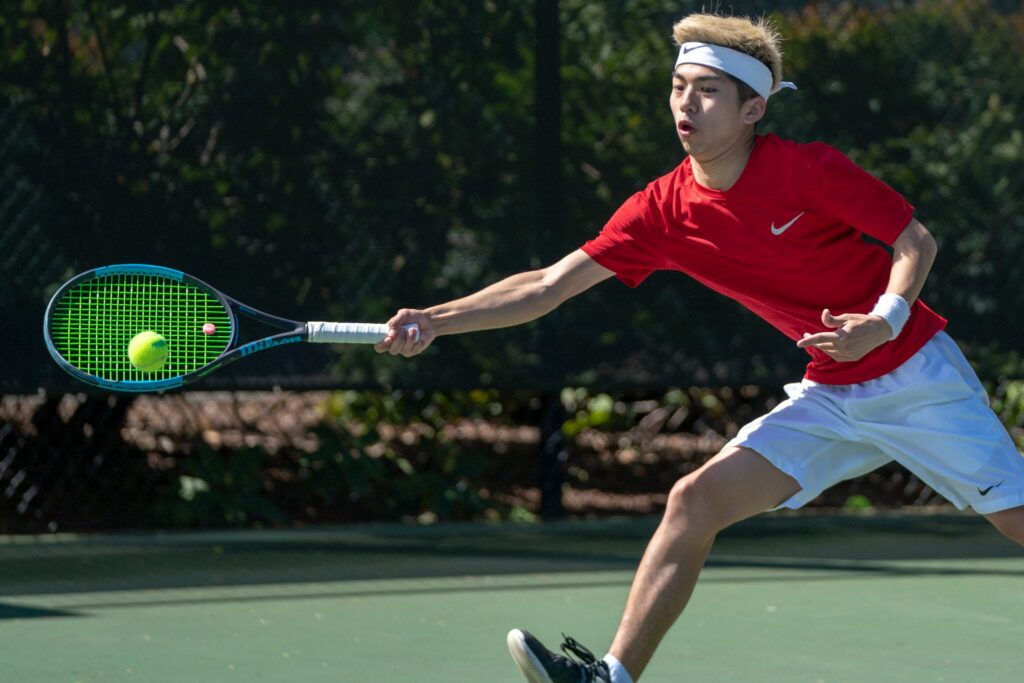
point(796, 548)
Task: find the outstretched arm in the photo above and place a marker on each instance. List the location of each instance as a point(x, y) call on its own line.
point(856, 334)
point(517, 299)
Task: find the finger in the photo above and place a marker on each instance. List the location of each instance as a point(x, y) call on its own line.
point(384, 345)
point(830, 349)
point(416, 347)
point(835, 320)
point(399, 343)
point(400, 319)
point(412, 333)
point(833, 352)
point(820, 338)
point(828, 320)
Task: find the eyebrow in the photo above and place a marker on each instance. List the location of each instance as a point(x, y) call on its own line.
point(700, 79)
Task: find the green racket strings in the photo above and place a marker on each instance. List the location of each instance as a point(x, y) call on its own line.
point(94, 321)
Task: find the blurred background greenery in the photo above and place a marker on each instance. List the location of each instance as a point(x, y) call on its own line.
point(338, 160)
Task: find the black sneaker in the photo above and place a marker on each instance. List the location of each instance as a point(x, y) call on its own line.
point(541, 665)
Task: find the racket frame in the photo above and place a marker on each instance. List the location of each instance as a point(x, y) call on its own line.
point(294, 331)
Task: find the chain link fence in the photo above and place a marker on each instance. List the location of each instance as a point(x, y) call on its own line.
point(412, 179)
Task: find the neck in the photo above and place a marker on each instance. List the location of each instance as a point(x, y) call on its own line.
point(721, 170)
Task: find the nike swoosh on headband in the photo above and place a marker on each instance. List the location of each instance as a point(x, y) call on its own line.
point(735, 63)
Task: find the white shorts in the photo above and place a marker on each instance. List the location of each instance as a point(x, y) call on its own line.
point(931, 415)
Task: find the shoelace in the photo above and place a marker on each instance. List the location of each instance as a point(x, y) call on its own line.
point(572, 648)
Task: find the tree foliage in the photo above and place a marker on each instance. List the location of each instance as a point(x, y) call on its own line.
point(343, 159)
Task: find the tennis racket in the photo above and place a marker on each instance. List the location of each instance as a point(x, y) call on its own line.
point(92, 318)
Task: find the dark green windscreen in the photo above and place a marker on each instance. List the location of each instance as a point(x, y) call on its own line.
point(93, 322)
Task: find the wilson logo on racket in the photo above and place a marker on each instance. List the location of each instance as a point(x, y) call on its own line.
point(266, 344)
point(93, 316)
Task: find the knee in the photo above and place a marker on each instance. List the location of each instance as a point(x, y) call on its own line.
point(1010, 523)
point(693, 505)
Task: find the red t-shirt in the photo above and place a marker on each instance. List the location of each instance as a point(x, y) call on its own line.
point(785, 241)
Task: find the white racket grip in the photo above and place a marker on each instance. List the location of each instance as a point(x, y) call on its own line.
point(321, 332)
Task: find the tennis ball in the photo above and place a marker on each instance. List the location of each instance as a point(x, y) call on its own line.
point(857, 502)
point(148, 351)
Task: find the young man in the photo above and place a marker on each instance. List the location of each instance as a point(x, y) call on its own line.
point(777, 226)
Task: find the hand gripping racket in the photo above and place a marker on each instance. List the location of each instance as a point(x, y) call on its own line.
point(91, 319)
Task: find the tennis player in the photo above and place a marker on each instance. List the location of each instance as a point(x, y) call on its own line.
point(778, 226)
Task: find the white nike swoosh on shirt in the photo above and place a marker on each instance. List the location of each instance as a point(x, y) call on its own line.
point(784, 228)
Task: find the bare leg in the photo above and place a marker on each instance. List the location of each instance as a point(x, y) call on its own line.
point(735, 484)
point(1010, 522)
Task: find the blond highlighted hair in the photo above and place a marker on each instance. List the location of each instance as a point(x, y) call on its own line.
point(755, 37)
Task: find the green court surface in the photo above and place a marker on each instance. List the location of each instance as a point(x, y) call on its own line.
point(785, 598)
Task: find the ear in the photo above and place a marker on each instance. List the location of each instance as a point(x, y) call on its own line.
point(753, 110)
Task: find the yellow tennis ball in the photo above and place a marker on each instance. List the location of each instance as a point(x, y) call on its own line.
point(148, 351)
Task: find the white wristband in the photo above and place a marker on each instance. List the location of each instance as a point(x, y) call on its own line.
point(893, 309)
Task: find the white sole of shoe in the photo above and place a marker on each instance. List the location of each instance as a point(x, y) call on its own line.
point(525, 660)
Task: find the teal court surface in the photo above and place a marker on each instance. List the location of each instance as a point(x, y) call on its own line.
point(794, 599)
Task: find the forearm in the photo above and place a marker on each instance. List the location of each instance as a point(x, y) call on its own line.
point(913, 255)
point(512, 301)
point(517, 299)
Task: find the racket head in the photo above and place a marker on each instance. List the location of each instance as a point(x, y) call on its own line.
point(91, 319)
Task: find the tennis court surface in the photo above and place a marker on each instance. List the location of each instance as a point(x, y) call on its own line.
point(787, 598)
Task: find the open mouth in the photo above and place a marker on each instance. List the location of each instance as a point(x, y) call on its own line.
point(686, 128)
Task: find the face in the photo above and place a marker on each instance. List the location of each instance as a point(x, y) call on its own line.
point(709, 117)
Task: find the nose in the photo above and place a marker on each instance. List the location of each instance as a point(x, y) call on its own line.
point(688, 101)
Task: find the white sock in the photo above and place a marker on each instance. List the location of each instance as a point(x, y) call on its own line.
point(619, 673)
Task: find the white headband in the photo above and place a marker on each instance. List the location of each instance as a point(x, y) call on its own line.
point(733, 62)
